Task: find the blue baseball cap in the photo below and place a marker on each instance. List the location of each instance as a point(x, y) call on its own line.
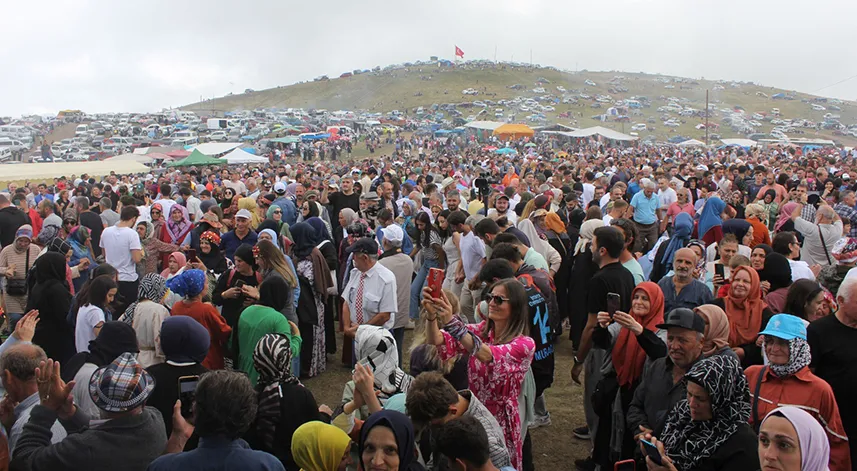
point(786, 327)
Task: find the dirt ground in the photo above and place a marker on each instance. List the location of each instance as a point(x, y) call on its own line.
point(554, 446)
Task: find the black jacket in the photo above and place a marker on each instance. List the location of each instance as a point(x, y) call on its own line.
point(11, 218)
point(739, 453)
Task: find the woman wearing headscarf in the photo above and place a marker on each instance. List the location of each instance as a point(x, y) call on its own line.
point(261, 319)
point(185, 343)
point(226, 203)
point(409, 213)
point(575, 219)
point(541, 245)
point(78, 239)
point(663, 262)
point(742, 230)
point(210, 255)
point(176, 264)
point(716, 336)
point(52, 298)
point(632, 339)
point(347, 216)
point(553, 229)
point(284, 403)
point(790, 439)
point(314, 274)
point(757, 259)
point(375, 348)
point(114, 339)
point(771, 207)
point(16, 262)
point(317, 446)
point(775, 278)
point(275, 215)
point(710, 226)
point(748, 314)
point(709, 429)
point(324, 243)
point(757, 217)
point(190, 285)
point(383, 432)
point(153, 247)
point(146, 315)
point(156, 213)
point(582, 270)
point(176, 228)
point(784, 220)
point(59, 245)
point(227, 293)
point(787, 380)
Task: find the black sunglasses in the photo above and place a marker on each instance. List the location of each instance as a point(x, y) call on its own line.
point(498, 300)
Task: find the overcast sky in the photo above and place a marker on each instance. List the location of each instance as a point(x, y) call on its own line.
point(100, 56)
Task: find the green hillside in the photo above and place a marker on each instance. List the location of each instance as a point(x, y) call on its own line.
point(405, 89)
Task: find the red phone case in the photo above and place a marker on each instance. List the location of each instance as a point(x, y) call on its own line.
point(435, 281)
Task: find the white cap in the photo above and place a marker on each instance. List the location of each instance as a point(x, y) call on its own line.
point(393, 233)
point(845, 176)
point(279, 187)
point(243, 213)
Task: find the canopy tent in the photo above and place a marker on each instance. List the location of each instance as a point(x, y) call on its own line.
point(691, 143)
point(46, 172)
point(287, 140)
point(196, 158)
point(484, 125)
point(239, 156)
point(514, 131)
point(600, 131)
point(739, 142)
point(143, 159)
point(216, 148)
point(178, 154)
point(505, 150)
point(151, 149)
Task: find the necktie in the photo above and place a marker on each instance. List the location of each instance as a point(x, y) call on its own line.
point(358, 300)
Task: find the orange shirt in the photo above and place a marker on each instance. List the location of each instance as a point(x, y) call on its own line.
point(207, 315)
point(810, 393)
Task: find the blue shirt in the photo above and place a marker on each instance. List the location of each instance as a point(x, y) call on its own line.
point(290, 211)
point(645, 209)
point(230, 242)
point(218, 453)
point(693, 295)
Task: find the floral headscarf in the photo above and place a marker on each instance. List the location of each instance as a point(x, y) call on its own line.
point(178, 230)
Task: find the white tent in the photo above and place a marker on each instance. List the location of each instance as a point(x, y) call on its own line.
point(739, 142)
point(691, 143)
point(600, 131)
point(484, 125)
point(240, 156)
point(46, 172)
point(214, 149)
point(143, 159)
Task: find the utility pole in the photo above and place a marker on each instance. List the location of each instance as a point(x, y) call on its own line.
point(495, 53)
point(706, 117)
point(531, 58)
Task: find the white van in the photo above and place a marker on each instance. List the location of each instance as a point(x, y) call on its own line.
point(81, 130)
point(12, 144)
point(184, 142)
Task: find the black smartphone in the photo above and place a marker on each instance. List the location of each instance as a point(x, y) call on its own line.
point(191, 255)
point(187, 393)
point(239, 283)
point(613, 300)
point(719, 270)
point(652, 452)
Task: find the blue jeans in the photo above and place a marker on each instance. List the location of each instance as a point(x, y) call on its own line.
point(418, 284)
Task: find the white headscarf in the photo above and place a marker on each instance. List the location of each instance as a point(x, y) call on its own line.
point(587, 229)
point(539, 245)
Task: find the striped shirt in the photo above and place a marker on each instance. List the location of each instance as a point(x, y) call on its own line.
point(496, 443)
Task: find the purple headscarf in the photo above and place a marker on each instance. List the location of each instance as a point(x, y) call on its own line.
point(814, 446)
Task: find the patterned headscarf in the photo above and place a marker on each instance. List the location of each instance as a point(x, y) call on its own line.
point(272, 358)
point(47, 235)
point(59, 245)
point(150, 230)
point(152, 287)
point(211, 237)
point(188, 283)
point(799, 357)
point(177, 230)
point(377, 347)
point(688, 442)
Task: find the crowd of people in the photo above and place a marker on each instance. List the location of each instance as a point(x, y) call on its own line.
point(166, 321)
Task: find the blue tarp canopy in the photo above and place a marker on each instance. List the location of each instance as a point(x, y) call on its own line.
point(506, 150)
point(315, 137)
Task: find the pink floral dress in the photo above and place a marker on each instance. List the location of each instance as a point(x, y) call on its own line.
point(498, 384)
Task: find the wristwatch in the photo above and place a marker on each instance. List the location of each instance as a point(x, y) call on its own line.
point(577, 361)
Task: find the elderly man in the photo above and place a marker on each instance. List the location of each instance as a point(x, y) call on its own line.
point(402, 267)
point(683, 289)
point(662, 385)
point(371, 293)
point(18, 366)
point(131, 437)
point(241, 234)
point(645, 206)
point(833, 344)
point(818, 237)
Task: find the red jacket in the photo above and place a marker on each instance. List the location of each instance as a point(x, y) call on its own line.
point(810, 393)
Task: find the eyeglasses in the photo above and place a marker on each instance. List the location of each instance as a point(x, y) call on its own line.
point(156, 212)
point(498, 300)
point(278, 212)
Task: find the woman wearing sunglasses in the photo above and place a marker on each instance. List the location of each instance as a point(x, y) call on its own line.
point(500, 352)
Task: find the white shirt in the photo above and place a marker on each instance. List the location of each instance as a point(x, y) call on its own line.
point(800, 270)
point(607, 218)
point(588, 194)
point(379, 294)
point(511, 216)
point(118, 242)
point(239, 187)
point(667, 197)
point(193, 207)
point(87, 318)
point(166, 205)
point(472, 254)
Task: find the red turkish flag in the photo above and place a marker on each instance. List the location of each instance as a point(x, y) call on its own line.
point(459, 52)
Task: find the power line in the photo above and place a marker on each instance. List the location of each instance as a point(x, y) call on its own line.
point(834, 84)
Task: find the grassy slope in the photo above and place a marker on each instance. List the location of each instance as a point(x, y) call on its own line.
point(397, 90)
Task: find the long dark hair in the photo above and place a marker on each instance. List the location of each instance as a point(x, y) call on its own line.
point(96, 294)
point(518, 312)
point(425, 234)
point(101, 270)
point(799, 294)
point(444, 233)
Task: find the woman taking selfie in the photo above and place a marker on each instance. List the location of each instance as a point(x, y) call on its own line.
point(500, 352)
